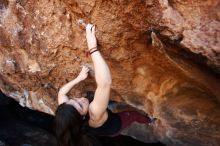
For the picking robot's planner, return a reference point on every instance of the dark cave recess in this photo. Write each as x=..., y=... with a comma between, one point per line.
x=21, y=126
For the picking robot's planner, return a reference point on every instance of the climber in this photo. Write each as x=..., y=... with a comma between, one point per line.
x=79, y=120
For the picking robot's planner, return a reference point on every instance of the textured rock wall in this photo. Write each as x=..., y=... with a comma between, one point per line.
x=164, y=57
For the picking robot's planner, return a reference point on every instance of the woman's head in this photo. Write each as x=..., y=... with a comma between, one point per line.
x=80, y=104
x=68, y=125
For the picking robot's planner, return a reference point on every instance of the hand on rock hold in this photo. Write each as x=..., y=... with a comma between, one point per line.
x=90, y=36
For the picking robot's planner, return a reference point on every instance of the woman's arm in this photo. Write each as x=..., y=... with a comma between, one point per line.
x=62, y=97
x=97, y=108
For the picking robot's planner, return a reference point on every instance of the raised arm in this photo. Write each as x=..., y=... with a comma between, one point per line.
x=62, y=97
x=97, y=108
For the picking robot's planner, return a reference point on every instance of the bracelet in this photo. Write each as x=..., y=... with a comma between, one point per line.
x=92, y=48
x=93, y=51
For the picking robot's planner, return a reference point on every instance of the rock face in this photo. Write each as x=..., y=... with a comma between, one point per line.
x=164, y=57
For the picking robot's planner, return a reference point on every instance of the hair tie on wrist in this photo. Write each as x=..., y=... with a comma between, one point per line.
x=93, y=51
x=93, y=48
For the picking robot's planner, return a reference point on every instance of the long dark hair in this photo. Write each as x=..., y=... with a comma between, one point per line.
x=70, y=127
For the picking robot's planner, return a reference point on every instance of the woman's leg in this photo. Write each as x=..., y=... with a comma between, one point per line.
x=128, y=117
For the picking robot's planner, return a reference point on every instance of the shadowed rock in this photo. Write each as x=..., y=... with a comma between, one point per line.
x=175, y=79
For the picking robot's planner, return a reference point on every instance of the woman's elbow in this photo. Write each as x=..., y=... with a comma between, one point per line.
x=109, y=82
x=60, y=94
x=105, y=83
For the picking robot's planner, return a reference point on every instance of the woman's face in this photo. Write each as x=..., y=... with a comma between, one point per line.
x=81, y=105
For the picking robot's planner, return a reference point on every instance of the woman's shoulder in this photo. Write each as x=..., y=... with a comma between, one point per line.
x=111, y=126
x=96, y=122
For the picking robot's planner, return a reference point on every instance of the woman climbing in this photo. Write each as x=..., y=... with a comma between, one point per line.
x=78, y=120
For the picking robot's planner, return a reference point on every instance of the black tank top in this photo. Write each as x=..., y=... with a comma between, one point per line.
x=111, y=126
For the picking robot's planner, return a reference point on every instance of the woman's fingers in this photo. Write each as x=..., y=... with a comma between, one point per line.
x=89, y=27
x=85, y=68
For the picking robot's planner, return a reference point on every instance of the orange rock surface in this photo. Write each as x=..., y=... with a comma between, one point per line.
x=164, y=57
